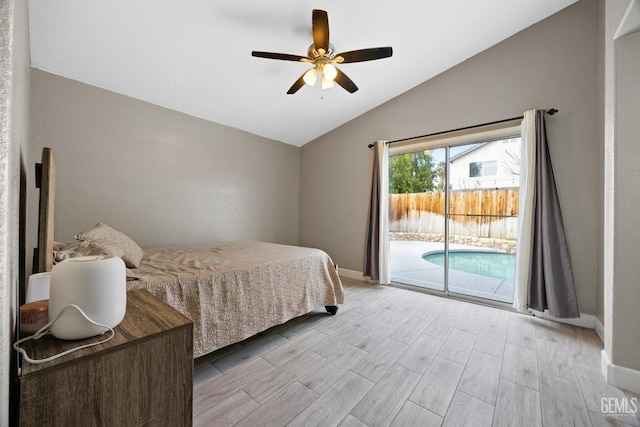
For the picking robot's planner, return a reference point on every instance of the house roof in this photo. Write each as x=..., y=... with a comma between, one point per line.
x=467, y=151
x=195, y=57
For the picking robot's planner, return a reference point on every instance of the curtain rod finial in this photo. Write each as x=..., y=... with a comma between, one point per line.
x=552, y=111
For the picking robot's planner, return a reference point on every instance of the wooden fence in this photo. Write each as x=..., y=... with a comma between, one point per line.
x=478, y=213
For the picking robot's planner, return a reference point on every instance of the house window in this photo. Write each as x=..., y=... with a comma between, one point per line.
x=483, y=168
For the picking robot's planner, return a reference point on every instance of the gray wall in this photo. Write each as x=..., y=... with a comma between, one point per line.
x=161, y=177
x=622, y=204
x=14, y=106
x=601, y=131
x=551, y=64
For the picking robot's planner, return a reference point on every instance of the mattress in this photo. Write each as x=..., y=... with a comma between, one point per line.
x=233, y=290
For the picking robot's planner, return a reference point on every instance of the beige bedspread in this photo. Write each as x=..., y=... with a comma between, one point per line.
x=233, y=290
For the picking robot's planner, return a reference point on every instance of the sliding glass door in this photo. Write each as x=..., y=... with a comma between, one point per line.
x=453, y=218
x=417, y=218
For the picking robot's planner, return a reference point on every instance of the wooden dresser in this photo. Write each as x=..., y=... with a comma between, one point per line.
x=143, y=376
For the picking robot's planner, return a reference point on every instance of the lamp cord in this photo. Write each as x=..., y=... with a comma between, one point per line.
x=46, y=330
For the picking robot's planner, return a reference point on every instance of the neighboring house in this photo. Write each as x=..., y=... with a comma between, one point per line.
x=492, y=164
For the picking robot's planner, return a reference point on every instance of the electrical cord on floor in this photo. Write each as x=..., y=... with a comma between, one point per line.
x=46, y=330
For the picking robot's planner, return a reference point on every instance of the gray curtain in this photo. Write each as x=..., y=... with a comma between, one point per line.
x=551, y=284
x=371, y=266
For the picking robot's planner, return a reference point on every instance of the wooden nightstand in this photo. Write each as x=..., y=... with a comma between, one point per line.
x=143, y=376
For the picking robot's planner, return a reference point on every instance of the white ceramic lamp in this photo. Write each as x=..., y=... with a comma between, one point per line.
x=96, y=284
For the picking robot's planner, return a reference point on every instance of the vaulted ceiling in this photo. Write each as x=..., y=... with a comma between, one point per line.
x=195, y=56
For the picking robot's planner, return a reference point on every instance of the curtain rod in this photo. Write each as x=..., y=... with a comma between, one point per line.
x=550, y=112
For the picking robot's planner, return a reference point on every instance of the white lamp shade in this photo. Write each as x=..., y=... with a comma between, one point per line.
x=96, y=284
x=326, y=84
x=38, y=287
x=329, y=71
x=310, y=77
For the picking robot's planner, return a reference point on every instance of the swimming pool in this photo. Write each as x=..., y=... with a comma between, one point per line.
x=491, y=264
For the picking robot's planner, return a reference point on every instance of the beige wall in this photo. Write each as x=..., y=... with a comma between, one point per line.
x=551, y=64
x=161, y=177
x=14, y=106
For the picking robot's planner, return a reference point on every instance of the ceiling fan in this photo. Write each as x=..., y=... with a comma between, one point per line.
x=322, y=56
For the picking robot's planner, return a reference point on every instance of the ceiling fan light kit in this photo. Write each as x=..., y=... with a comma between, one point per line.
x=321, y=55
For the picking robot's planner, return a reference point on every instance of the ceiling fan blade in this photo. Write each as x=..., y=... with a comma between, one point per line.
x=296, y=86
x=345, y=82
x=366, y=54
x=281, y=56
x=320, y=21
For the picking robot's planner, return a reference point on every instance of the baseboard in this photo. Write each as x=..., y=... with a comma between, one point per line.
x=585, y=320
x=600, y=330
x=352, y=274
x=619, y=376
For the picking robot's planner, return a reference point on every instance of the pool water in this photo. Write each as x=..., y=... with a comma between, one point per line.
x=491, y=264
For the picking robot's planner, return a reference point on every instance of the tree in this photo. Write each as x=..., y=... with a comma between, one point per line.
x=511, y=162
x=411, y=173
x=441, y=177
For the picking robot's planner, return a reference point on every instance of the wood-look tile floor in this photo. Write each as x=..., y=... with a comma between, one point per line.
x=393, y=357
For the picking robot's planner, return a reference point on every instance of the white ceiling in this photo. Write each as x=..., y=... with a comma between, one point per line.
x=195, y=56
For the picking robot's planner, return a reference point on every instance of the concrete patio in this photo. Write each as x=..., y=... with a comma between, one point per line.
x=408, y=267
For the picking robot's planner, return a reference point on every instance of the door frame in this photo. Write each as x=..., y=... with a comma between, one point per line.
x=446, y=141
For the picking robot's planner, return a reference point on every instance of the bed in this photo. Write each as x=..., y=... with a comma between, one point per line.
x=230, y=290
